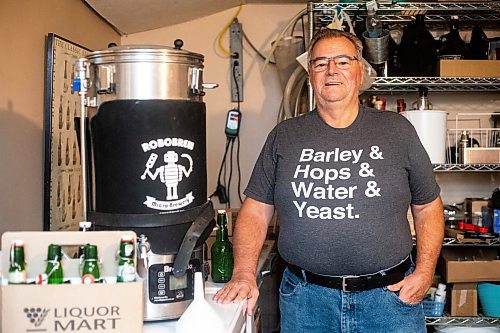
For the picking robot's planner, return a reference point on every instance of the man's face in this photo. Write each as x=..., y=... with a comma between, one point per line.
x=334, y=84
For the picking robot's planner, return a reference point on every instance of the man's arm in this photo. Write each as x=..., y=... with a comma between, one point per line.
x=429, y=227
x=249, y=235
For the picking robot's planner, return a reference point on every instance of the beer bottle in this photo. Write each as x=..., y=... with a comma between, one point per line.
x=17, y=269
x=222, y=251
x=126, y=265
x=452, y=45
x=90, y=270
x=54, y=268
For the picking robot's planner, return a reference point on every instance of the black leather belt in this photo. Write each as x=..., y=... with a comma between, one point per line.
x=356, y=283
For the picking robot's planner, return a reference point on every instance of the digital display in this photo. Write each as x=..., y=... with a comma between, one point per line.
x=178, y=283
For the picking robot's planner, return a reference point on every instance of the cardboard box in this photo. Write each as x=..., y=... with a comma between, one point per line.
x=489, y=155
x=464, y=300
x=470, y=264
x=469, y=68
x=105, y=307
x=473, y=205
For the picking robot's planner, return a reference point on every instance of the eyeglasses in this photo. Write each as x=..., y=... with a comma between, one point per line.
x=342, y=62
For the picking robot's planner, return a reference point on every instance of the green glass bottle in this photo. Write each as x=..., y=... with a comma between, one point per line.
x=90, y=269
x=17, y=267
x=126, y=264
x=222, y=251
x=54, y=268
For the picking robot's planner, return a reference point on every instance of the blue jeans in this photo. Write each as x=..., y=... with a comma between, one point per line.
x=309, y=308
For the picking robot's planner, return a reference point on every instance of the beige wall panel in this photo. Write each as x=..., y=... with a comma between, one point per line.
x=24, y=25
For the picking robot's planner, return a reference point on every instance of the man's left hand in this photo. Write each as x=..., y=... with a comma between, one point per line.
x=412, y=288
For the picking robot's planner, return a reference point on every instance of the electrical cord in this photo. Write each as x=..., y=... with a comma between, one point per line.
x=223, y=188
x=220, y=190
x=260, y=54
x=237, y=85
x=238, y=138
x=239, y=170
x=223, y=32
x=230, y=173
x=282, y=33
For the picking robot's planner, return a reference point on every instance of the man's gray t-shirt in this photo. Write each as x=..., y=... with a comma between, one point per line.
x=342, y=194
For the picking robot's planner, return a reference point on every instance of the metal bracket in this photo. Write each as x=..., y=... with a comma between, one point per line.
x=236, y=62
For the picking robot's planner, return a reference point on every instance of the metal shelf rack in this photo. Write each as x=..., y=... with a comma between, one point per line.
x=486, y=14
x=463, y=321
x=466, y=167
x=454, y=242
x=449, y=241
x=434, y=84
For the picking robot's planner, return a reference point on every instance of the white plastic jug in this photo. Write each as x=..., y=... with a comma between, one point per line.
x=199, y=316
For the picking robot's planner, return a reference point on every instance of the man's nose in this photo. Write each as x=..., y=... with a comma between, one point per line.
x=332, y=67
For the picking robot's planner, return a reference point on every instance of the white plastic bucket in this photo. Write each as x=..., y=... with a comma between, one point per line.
x=431, y=129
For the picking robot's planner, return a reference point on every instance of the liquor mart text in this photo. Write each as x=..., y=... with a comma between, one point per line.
x=86, y=318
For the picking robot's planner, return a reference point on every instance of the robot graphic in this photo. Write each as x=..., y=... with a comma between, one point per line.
x=171, y=173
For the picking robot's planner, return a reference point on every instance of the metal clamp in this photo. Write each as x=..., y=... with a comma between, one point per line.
x=144, y=248
x=195, y=77
x=194, y=80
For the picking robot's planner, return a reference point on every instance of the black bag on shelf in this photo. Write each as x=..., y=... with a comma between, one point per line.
x=417, y=50
x=479, y=45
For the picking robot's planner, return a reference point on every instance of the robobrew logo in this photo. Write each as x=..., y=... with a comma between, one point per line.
x=36, y=317
x=170, y=173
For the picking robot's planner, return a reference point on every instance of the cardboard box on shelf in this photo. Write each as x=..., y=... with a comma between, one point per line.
x=470, y=264
x=101, y=307
x=464, y=300
x=469, y=68
x=482, y=155
x=473, y=205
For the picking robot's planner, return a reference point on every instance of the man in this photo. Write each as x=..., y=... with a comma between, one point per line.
x=341, y=178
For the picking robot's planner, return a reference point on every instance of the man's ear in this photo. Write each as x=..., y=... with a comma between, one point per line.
x=362, y=69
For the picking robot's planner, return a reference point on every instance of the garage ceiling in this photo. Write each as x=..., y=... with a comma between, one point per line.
x=131, y=16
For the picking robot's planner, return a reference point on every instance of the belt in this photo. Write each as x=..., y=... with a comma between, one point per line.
x=355, y=283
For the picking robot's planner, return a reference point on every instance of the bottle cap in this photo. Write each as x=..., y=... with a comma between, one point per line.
x=127, y=238
x=18, y=243
x=53, y=252
x=90, y=251
x=221, y=211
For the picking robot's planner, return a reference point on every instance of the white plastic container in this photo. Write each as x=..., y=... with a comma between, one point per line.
x=440, y=295
x=431, y=129
x=200, y=316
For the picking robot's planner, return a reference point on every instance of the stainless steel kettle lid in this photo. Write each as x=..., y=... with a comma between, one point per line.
x=146, y=53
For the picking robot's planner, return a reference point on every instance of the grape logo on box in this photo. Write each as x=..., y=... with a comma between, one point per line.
x=36, y=317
